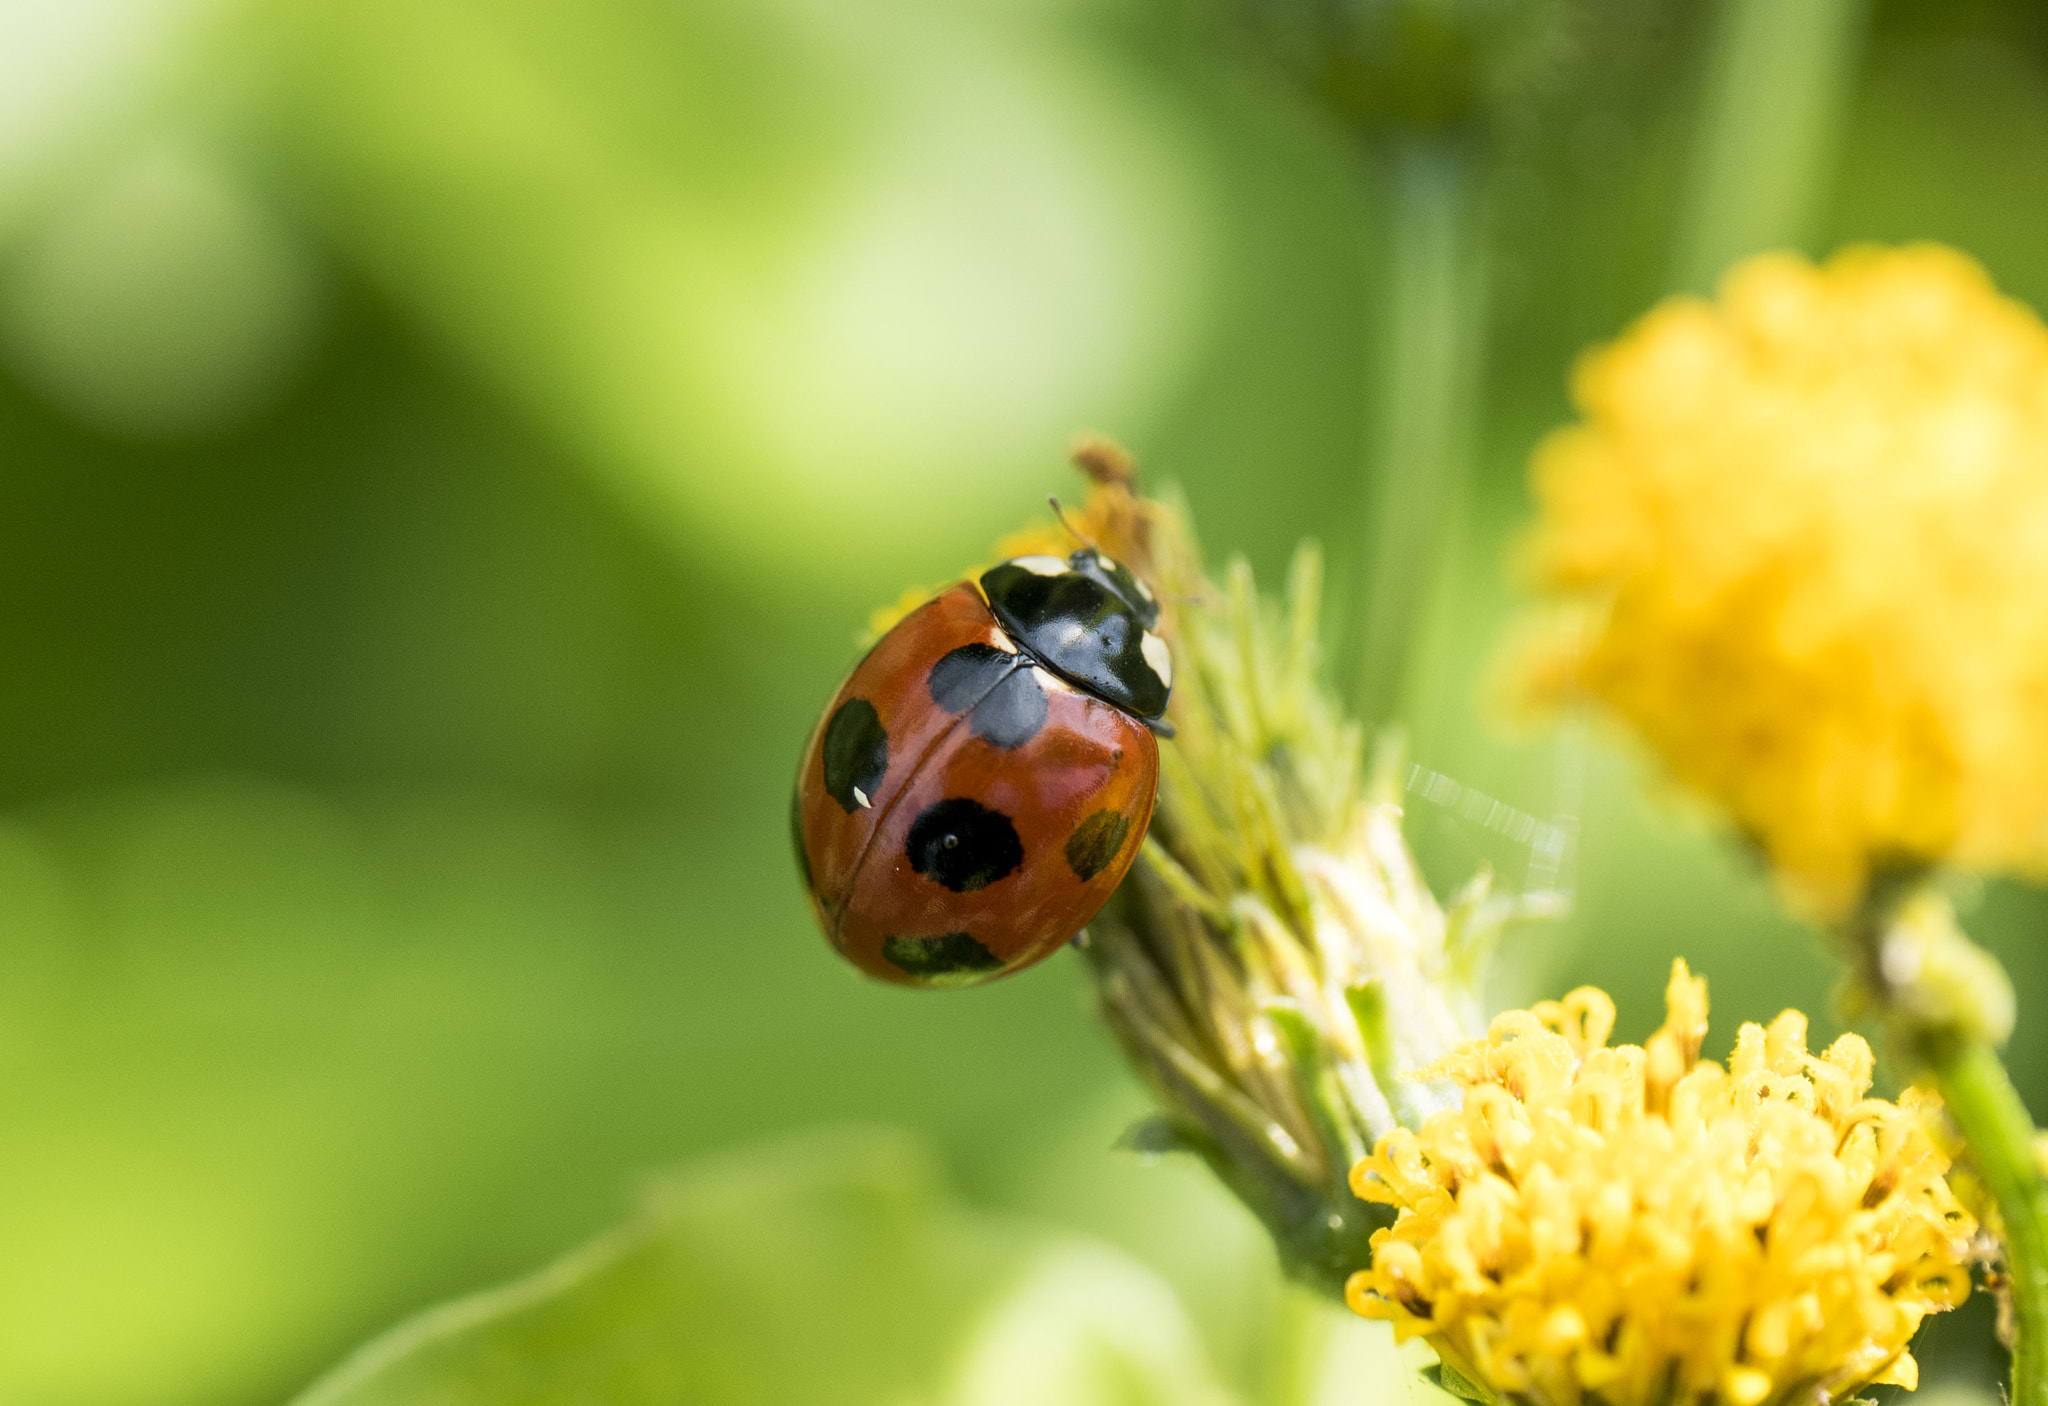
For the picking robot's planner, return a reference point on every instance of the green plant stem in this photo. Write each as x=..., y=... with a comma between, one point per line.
x=1994, y=1122
x=1948, y=1006
x=1426, y=372
x=1777, y=82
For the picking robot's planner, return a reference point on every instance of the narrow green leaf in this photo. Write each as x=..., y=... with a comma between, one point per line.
x=833, y=1272
x=1450, y=1379
x=828, y=1271
x=1156, y=1136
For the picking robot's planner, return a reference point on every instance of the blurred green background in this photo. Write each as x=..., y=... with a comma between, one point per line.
x=448, y=448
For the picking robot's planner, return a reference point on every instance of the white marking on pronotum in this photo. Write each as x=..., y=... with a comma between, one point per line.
x=1158, y=656
x=862, y=797
x=1041, y=566
x=1105, y=562
x=1143, y=589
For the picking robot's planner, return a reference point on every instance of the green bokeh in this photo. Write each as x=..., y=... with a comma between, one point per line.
x=841, y=1270
x=447, y=451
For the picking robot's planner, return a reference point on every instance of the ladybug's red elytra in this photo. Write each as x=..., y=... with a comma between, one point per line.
x=979, y=785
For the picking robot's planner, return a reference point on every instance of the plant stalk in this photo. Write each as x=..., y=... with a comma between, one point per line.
x=1994, y=1123
x=1947, y=1006
x=1427, y=372
x=1777, y=82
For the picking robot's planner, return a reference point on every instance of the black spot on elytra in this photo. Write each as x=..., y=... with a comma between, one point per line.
x=963, y=677
x=936, y=959
x=963, y=844
x=1006, y=699
x=1095, y=842
x=856, y=753
x=796, y=836
x=1013, y=711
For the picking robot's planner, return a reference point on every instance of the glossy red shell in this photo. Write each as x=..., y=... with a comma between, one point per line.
x=896, y=882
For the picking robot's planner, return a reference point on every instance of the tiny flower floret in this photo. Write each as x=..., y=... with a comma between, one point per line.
x=1641, y=1227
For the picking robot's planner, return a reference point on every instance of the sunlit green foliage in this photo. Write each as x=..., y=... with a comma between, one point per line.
x=446, y=450
x=839, y=1271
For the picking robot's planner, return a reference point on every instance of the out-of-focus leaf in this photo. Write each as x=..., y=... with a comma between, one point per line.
x=1270, y=1342
x=66, y=67
x=159, y=299
x=791, y=277
x=834, y=1272
x=1086, y=1325
x=283, y=1069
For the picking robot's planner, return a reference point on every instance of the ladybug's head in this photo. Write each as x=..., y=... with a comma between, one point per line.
x=1119, y=580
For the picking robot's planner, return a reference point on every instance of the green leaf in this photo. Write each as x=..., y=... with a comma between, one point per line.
x=1156, y=1135
x=1450, y=1379
x=833, y=1271
x=1268, y=1340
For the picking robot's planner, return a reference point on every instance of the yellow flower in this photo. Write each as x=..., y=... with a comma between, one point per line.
x=1637, y=1226
x=1807, y=529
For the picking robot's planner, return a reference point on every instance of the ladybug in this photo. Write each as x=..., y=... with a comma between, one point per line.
x=981, y=782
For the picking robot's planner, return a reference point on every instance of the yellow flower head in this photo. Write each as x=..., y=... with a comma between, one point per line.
x=1811, y=520
x=1637, y=1226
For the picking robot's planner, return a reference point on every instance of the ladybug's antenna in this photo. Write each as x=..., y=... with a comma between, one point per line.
x=1072, y=531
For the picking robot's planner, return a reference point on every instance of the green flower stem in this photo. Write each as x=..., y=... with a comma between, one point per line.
x=1948, y=1007
x=1427, y=371
x=1274, y=962
x=1776, y=86
x=1987, y=1109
